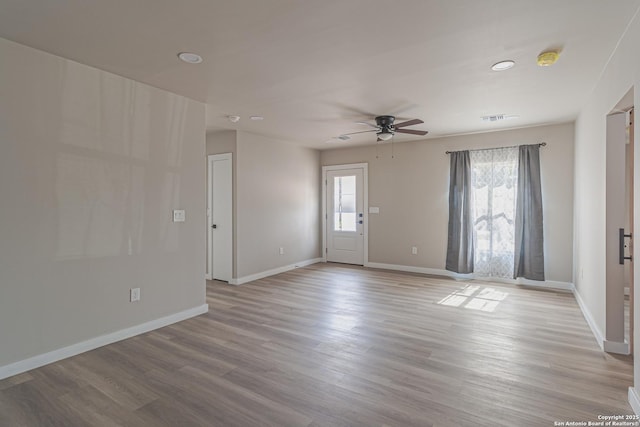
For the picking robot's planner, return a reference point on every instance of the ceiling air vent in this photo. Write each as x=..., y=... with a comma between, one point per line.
x=498, y=117
x=494, y=118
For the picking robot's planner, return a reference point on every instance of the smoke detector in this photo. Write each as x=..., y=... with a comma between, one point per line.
x=548, y=58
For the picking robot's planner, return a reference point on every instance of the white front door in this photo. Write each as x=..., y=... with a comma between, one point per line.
x=220, y=217
x=345, y=216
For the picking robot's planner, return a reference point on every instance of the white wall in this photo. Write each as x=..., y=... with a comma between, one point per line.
x=412, y=189
x=91, y=166
x=621, y=73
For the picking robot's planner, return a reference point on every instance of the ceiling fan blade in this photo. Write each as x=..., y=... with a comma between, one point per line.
x=367, y=124
x=409, y=123
x=363, y=131
x=412, y=132
x=354, y=111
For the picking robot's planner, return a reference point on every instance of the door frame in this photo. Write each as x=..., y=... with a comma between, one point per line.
x=365, y=204
x=211, y=158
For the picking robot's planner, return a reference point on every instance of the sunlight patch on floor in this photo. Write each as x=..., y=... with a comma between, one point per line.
x=475, y=297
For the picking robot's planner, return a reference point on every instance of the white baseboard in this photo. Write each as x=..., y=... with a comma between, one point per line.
x=551, y=284
x=208, y=276
x=273, y=271
x=616, y=347
x=93, y=343
x=589, y=318
x=634, y=400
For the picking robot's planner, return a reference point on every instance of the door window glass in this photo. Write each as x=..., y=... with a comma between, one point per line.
x=344, y=203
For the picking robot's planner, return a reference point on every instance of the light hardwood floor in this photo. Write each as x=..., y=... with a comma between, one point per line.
x=332, y=345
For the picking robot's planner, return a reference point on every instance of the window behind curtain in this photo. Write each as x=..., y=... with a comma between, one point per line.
x=494, y=182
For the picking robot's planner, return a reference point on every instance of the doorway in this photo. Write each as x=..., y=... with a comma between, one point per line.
x=345, y=219
x=619, y=224
x=220, y=217
x=629, y=224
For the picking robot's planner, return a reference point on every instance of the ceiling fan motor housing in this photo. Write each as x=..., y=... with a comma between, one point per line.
x=385, y=123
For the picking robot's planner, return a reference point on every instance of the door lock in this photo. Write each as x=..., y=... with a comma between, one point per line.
x=214, y=226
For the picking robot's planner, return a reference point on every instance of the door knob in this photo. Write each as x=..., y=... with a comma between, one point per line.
x=214, y=226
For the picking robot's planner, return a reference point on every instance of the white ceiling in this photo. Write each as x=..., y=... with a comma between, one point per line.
x=313, y=68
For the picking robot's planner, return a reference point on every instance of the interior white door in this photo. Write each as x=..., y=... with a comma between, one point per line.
x=345, y=216
x=220, y=217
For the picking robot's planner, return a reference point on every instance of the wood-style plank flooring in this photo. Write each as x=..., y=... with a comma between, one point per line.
x=332, y=345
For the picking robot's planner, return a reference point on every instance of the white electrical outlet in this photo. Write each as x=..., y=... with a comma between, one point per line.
x=179, y=215
x=135, y=294
x=281, y=251
x=414, y=250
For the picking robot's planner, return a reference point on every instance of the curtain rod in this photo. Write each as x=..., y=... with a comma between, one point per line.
x=542, y=144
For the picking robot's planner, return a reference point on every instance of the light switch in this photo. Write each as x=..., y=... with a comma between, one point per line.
x=374, y=209
x=179, y=215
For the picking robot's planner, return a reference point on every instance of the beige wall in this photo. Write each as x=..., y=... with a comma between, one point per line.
x=621, y=74
x=411, y=191
x=91, y=167
x=221, y=142
x=278, y=204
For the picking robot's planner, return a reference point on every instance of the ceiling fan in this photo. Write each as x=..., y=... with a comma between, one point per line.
x=386, y=127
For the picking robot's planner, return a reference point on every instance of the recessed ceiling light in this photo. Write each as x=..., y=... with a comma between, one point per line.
x=190, y=58
x=503, y=65
x=256, y=118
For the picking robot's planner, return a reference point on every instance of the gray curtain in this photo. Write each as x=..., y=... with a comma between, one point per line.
x=460, y=234
x=529, y=253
